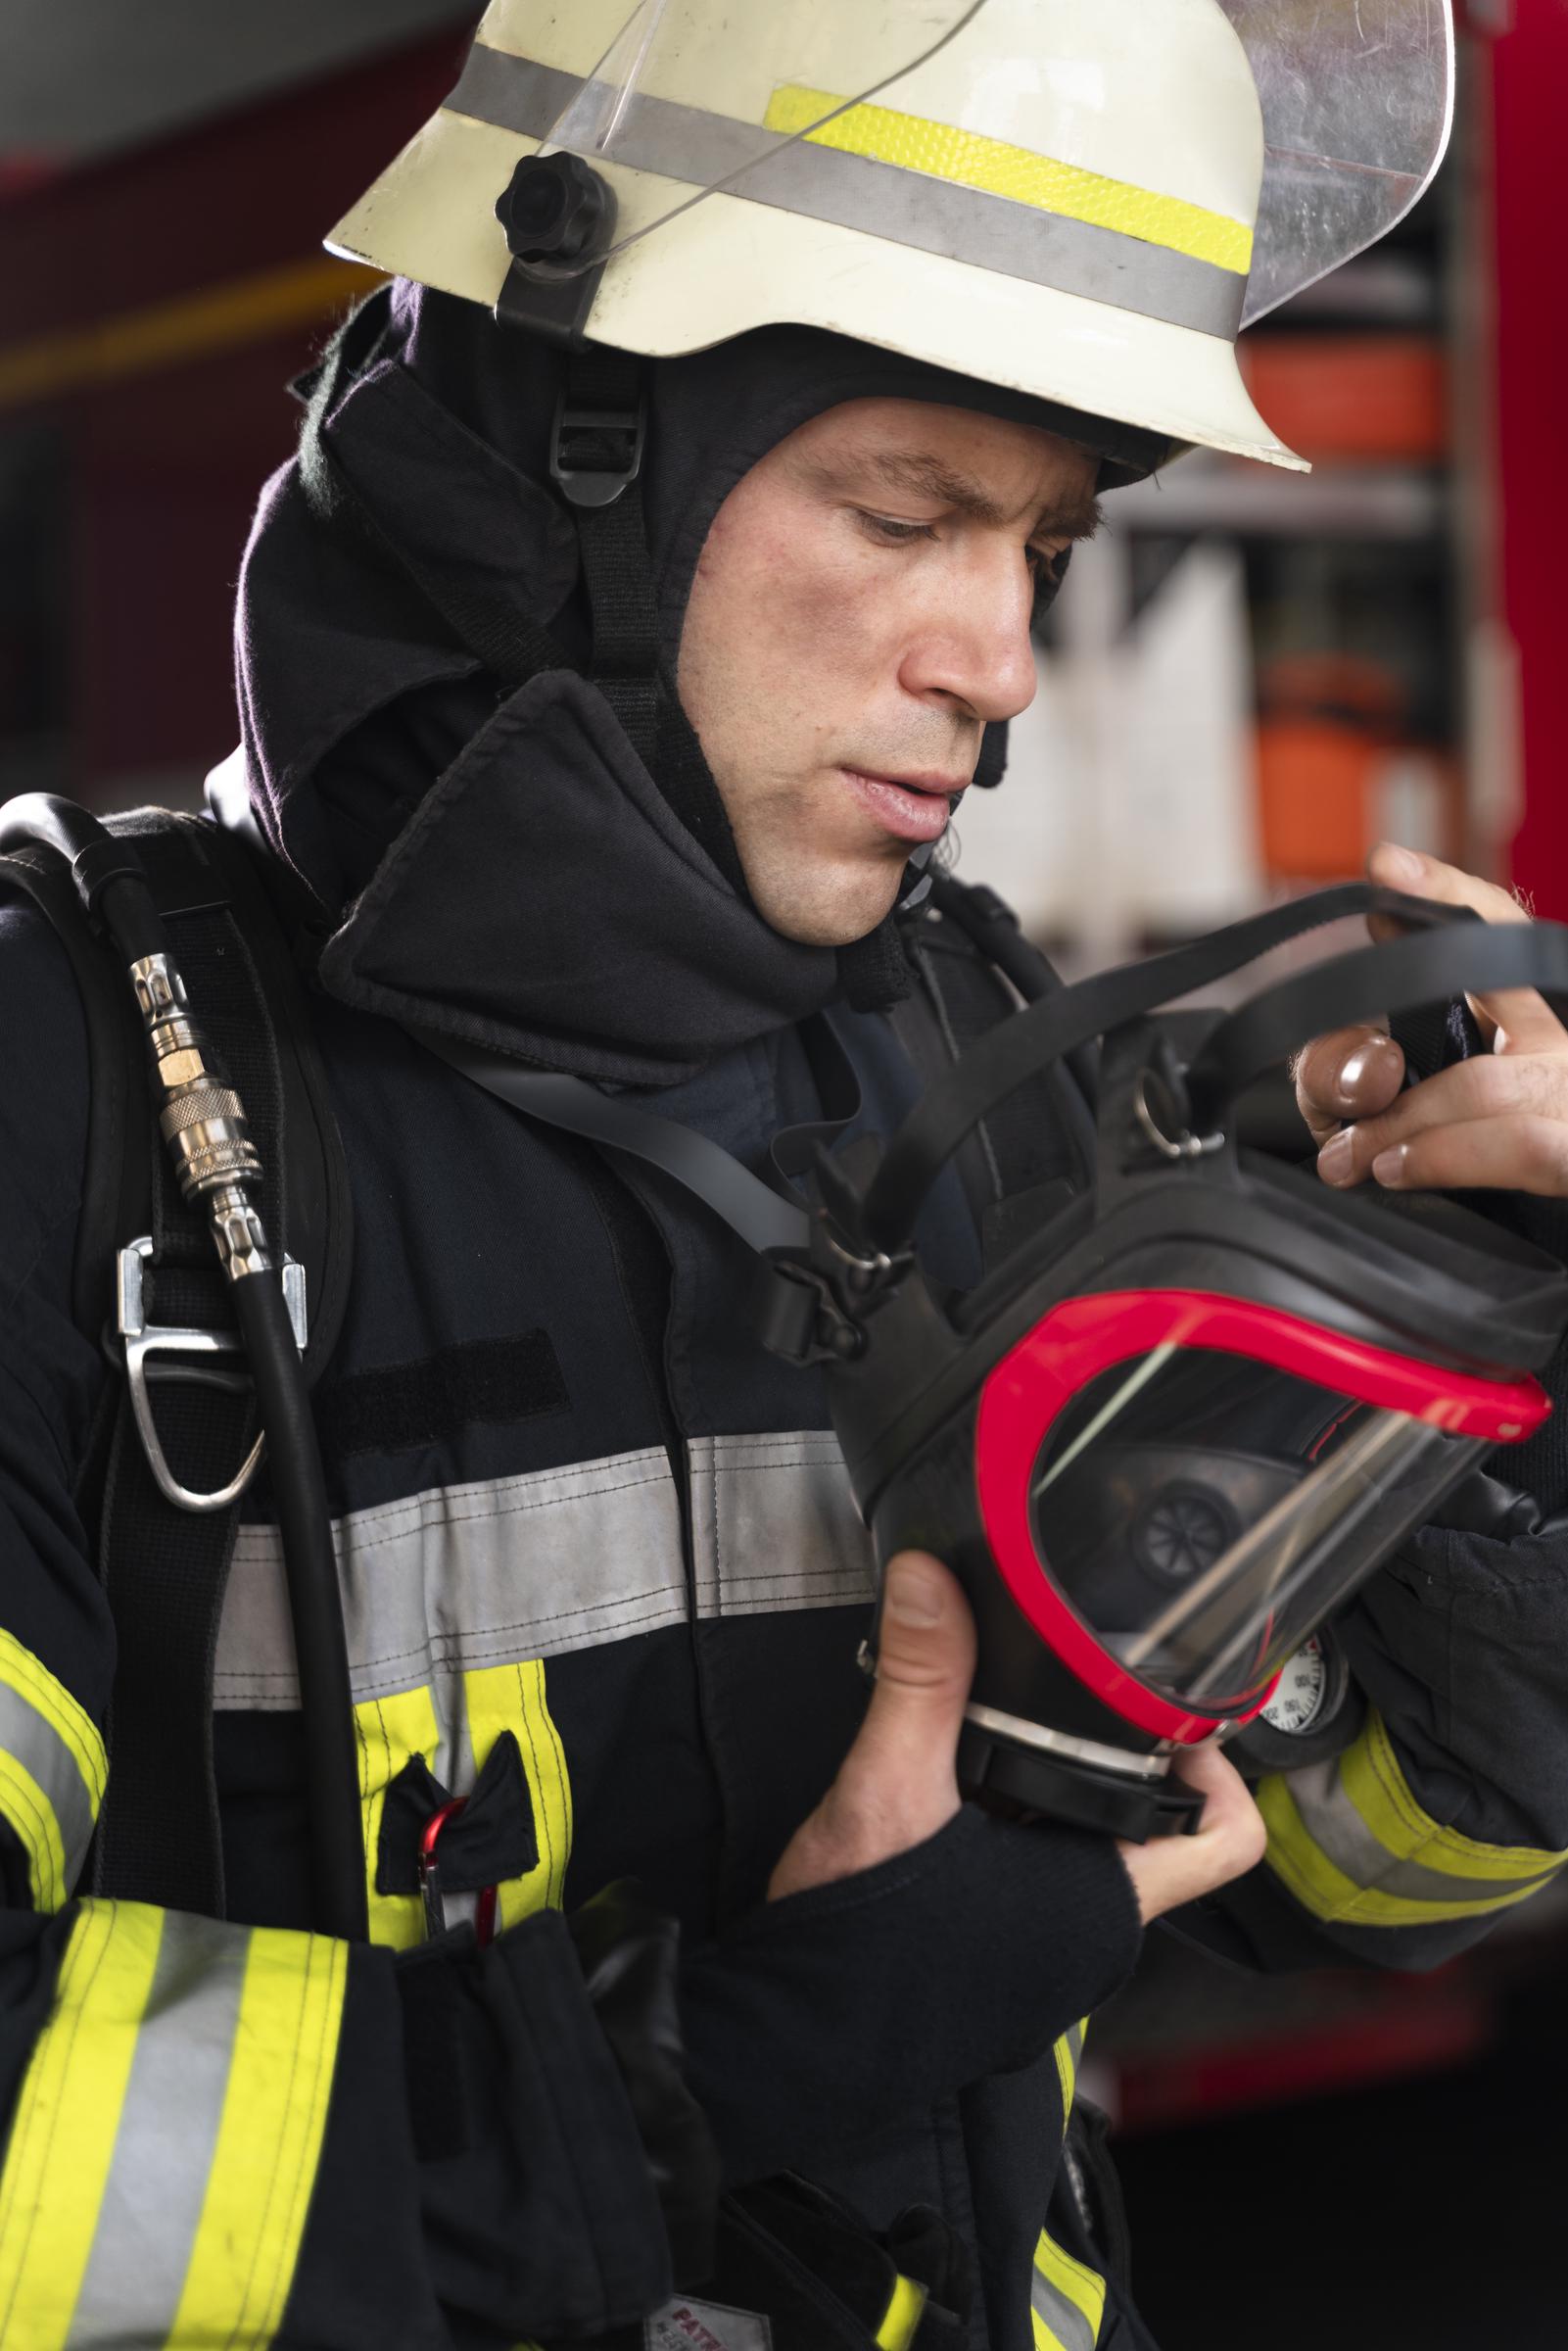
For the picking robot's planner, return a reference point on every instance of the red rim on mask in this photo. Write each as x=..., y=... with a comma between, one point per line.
x=1168, y=1479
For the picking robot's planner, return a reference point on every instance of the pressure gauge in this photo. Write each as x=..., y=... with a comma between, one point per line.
x=1300, y=1692
x=1315, y=1712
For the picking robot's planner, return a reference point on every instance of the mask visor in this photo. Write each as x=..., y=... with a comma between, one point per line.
x=1178, y=1487
x=1203, y=1515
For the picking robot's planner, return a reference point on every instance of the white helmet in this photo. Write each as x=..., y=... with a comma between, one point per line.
x=1057, y=196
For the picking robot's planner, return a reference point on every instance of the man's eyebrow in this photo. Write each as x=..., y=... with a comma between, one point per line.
x=924, y=475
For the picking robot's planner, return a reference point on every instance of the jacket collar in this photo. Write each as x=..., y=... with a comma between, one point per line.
x=544, y=901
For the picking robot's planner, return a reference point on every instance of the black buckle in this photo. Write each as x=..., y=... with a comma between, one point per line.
x=799, y=1318
x=596, y=484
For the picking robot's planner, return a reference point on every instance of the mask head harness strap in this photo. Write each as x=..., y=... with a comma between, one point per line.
x=559, y=213
x=596, y=461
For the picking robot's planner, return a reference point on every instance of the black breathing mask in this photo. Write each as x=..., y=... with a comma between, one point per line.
x=1200, y=1399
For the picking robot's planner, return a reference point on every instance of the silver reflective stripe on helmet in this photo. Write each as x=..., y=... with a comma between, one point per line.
x=821, y=181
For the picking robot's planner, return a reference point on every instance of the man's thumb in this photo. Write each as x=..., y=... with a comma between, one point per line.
x=924, y=1656
x=898, y=1784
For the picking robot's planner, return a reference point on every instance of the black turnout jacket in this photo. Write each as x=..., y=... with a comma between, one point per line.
x=600, y=1570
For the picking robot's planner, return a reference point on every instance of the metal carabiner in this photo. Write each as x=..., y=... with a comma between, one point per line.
x=144, y=1340
x=430, y=1889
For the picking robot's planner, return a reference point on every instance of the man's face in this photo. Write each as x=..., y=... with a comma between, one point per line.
x=860, y=611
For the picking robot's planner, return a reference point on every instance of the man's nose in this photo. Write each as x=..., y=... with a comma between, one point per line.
x=977, y=648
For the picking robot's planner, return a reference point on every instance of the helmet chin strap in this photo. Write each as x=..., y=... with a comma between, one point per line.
x=916, y=887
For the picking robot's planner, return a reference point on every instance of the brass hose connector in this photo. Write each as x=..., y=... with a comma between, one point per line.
x=202, y=1121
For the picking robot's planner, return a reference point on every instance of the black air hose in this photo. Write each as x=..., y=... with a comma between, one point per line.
x=204, y=1123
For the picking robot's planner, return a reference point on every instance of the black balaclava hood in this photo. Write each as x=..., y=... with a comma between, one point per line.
x=355, y=700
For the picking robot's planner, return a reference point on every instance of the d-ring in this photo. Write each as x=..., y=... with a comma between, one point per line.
x=1186, y=1145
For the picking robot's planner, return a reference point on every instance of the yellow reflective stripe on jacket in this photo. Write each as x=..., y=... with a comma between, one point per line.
x=52, y=1772
x=268, y=2141
x=1068, y=2054
x=511, y=1697
x=489, y=1701
x=68, y=2117
x=905, y=2308
x=391, y=1732
x=1067, y=2300
x=1350, y=1842
x=167, y=2132
x=971, y=160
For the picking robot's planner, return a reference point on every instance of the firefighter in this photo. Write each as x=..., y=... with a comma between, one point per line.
x=621, y=637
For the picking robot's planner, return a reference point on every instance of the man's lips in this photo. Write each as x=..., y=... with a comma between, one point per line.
x=911, y=807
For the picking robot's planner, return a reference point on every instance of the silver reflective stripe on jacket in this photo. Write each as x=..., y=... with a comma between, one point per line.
x=167, y=2133
x=1352, y=1843
x=506, y=1570
x=52, y=1772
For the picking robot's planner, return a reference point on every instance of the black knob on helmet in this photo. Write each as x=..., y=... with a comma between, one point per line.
x=555, y=207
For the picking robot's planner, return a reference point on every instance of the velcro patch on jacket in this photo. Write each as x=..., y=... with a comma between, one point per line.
x=482, y=1383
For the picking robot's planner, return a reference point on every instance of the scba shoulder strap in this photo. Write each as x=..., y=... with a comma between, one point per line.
x=147, y=1287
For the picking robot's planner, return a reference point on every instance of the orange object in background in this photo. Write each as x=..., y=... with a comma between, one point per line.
x=1358, y=397
x=1334, y=774
x=1313, y=786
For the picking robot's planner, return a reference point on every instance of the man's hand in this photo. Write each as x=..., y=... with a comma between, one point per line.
x=1499, y=1121
x=898, y=1784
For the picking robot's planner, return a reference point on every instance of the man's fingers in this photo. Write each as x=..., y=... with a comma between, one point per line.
x=1350, y=1073
x=1520, y=1154
x=1523, y=1020
x=1423, y=877
x=1230, y=1839
x=1487, y=1090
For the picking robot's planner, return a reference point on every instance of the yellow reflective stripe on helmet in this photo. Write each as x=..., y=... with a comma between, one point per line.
x=971, y=160
x=905, y=2308
x=1068, y=2054
x=167, y=2134
x=52, y=1772
x=1066, y=2301
x=67, y=2118
x=1349, y=1840
x=269, y=2142
x=511, y=1697
x=391, y=1732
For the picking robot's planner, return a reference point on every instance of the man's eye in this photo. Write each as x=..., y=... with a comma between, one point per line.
x=1049, y=572
x=893, y=533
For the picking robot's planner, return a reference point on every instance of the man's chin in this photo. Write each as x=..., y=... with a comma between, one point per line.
x=829, y=909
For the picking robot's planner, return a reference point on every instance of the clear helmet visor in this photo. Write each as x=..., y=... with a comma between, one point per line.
x=1202, y=1513
x=1357, y=104
x=1357, y=99
x=749, y=81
